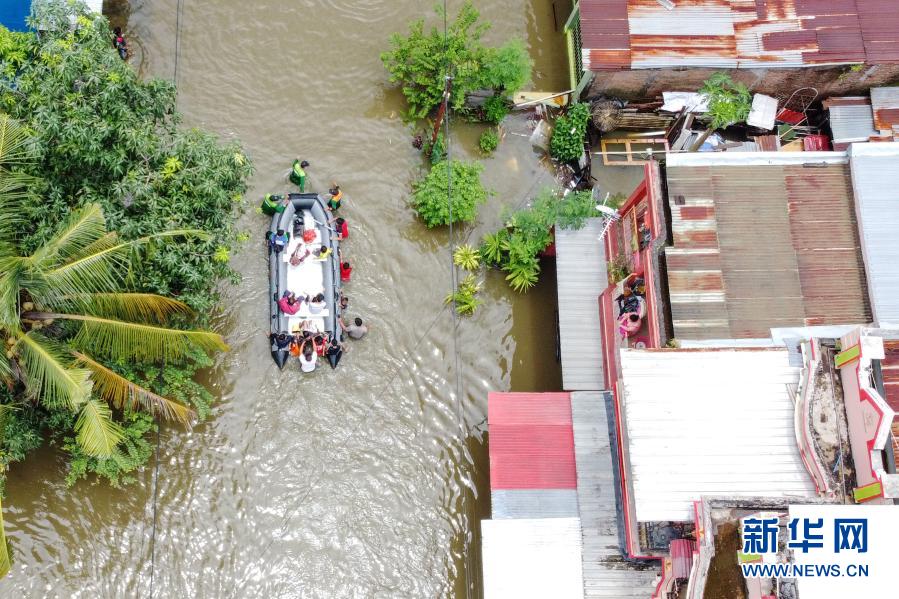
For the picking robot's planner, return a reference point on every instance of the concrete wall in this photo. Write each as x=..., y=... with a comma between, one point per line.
x=829, y=81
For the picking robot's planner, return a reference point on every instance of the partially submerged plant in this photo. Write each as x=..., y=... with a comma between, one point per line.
x=489, y=141
x=465, y=296
x=467, y=257
x=567, y=142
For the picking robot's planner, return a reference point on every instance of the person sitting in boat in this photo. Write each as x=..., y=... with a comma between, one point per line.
x=336, y=197
x=308, y=355
x=273, y=204
x=334, y=352
x=299, y=255
x=321, y=344
x=341, y=228
x=317, y=304
x=323, y=252
x=289, y=303
x=280, y=240
x=282, y=340
x=298, y=174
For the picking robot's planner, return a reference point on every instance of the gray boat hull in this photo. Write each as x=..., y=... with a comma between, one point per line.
x=297, y=203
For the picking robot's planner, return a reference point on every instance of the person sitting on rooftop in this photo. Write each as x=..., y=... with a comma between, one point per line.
x=289, y=303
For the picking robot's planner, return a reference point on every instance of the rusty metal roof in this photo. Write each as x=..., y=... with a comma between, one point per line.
x=643, y=34
x=885, y=105
x=759, y=245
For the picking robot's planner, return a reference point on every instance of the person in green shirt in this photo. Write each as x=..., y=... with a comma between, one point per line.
x=298, y=174
x=273, y=204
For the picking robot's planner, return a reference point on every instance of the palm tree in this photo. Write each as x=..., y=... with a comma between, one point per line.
x=66, y=308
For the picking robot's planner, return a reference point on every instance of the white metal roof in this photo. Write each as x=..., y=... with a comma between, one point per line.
x=875, y=182
x=581, y=276
x=532, y=559
x=709, y=422
x=753, y=158
x=606, y=574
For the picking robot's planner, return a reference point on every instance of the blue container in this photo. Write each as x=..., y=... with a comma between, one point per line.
x=13, y=13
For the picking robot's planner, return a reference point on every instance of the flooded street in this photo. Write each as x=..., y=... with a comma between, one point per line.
x=349, y=483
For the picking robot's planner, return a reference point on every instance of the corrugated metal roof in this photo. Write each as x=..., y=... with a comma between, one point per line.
x=885, y=105
x=851, y=119
x=875, y=180
x=606, y=574
x=682, y=557
x=642, y=34
x=532, y=558
x=533, y=503
x=581, y=276
x=709, y=422
x=531, y=442
x=757, y=246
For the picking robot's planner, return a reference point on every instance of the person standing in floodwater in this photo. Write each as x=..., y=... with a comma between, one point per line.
x=298, y=174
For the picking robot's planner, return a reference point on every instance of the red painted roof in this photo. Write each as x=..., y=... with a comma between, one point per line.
x=531, y=441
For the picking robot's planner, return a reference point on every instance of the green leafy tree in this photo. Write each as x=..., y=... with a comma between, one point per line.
x=567, y=142
x=105, y=136
x=421, y=61
x=67, y=310
x=430, y=195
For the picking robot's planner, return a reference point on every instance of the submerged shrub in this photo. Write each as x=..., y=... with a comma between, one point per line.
x=429, y=195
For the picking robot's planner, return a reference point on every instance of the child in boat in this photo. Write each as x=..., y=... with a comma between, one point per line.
x=289, y=303
x=323, y=252
x=336, y=197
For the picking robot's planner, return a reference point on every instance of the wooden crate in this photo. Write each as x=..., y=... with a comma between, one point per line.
x=630, y=151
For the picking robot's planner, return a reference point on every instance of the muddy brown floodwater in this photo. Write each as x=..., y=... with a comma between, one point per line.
x=357, y=483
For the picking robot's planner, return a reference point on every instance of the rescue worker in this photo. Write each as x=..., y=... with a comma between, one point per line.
x=298, y=174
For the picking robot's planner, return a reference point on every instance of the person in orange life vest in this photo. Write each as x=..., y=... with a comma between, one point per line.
x=336, y=197
x=289, y=303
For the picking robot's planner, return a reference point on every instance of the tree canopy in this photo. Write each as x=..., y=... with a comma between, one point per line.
x=421, y=61
x=103, y=135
